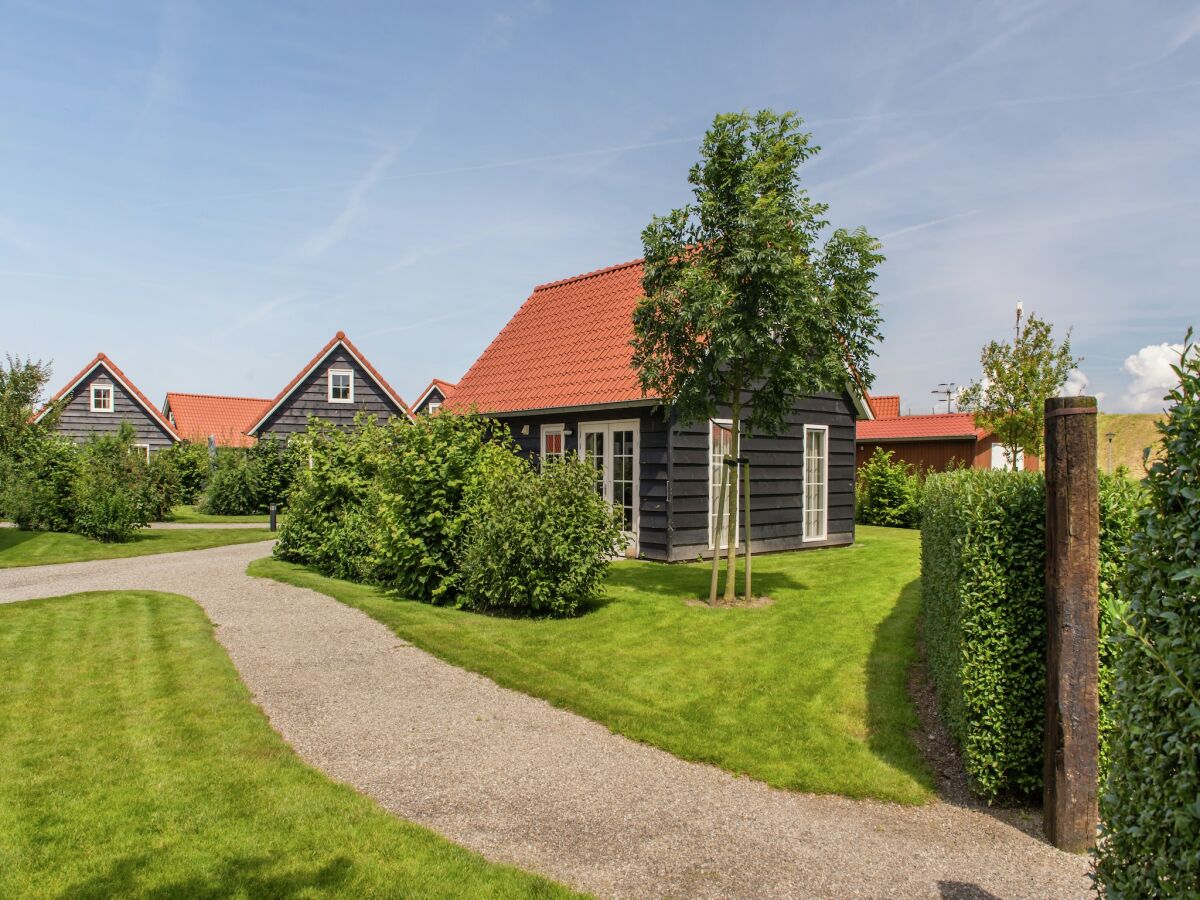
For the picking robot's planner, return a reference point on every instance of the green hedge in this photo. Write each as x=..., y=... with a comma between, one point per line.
x=983, y=575
x=887, y=492
x=1150, y=809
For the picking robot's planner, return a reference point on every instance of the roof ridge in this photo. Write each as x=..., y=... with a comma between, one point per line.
x=606, y=270
x=217, y=396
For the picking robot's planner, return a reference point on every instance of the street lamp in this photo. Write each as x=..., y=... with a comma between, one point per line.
x=1110, y=435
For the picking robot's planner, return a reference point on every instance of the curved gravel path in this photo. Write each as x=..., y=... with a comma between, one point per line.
x=524, y=783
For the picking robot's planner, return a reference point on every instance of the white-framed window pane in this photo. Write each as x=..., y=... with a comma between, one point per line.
x=815, y=474
x=622, y=474
x=721, y=445
x=341, y=385
x=553, y=443
x=102, y=398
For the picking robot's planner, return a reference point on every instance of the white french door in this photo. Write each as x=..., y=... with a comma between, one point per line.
x=612, y=447
x=816, y=482
x=720, y=445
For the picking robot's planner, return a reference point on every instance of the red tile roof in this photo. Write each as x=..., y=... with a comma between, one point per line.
x=568, y=345
x=446, y=387
x=227, y=419
x=339, y=338
x=885, y=406
x=920, y=428
x=100, y=359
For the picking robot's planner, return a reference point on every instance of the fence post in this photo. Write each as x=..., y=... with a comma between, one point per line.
x=1072, y=741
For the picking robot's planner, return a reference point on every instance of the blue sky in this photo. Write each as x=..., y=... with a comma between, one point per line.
x=207, y=192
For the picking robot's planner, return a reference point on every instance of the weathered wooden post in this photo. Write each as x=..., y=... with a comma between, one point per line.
x=1072, y=740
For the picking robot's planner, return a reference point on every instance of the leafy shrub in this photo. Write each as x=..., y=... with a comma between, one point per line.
x=234, y=486
x=161, y=485
x=537, y=544
x=277, y=463
x=1150, y=814
x=191, y=465
x=983, y=578
x=36, y=487
x=887, y=492
x=108, y=493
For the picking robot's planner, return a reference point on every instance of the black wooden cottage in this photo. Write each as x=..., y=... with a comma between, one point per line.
x=99, y=398
x=336, y=384
x=433, y=397
x=559, y=375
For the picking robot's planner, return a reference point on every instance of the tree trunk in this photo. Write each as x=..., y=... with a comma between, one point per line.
x=735, y=443
x=716, y=530
x=746, y=492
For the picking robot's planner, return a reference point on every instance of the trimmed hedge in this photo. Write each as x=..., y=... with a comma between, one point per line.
x=1150, y=808
x=983, y=561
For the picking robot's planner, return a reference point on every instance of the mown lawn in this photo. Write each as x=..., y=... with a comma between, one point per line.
x=807, y=694
x=134, y=764
x=39, y=548
x=191, y=515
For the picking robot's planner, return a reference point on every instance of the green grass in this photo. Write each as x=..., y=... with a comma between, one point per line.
x=191, y=515
x=1133, y=432
x=134, y=764
x=39, y=548
x=808, y=694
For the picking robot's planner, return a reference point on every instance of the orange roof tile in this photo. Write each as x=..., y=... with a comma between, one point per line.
x=568, y=345
x=920, y=428
x=227, y=419
x=102, y=359
x=885, y=406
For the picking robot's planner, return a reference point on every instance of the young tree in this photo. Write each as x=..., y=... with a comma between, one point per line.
x=22, y=388
x=1017, y=378
x=746, y=308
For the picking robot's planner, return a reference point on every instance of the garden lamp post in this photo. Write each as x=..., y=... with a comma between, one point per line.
x=1110, y=435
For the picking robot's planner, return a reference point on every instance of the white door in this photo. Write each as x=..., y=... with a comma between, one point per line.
x=816, y=482
x=720, y=445
x=613, y=448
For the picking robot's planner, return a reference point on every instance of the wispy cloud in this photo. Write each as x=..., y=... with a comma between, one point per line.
x=932, y=223
x=1187, y=31
x=333, y=232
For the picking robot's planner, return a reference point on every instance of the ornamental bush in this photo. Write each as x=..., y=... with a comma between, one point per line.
x=887, y=492
x=983, y=580
x=191, y=465
x=37, y=485
x=108, y=492
x=1150, y=807
x=538, y=544
x=235, y=485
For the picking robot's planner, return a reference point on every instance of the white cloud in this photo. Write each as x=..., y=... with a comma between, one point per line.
x=1076, y=384
x=334, y=231
x=1150, y=376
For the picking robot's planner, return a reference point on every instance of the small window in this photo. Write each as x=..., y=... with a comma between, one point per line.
x=553, y=442
x=433, y=406
x=102, y=398
x=142, y=451
x=341, y=386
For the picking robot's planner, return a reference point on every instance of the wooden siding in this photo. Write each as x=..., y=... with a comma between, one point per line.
x=311, y=398
x=434, y=396
x=927, y=456
x=78, y=422
x=673, y=483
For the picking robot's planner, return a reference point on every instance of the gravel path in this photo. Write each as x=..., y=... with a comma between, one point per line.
x=524, y=783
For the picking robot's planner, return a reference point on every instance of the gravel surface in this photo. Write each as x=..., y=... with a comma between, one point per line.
x=524, y=783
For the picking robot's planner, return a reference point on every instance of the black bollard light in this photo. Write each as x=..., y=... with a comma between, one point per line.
x=272, y=509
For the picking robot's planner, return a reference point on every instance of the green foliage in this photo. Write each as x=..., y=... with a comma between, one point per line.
x=108, y=495
x=1017, y=378
x=983, y=577
x=162, y=488
x=1150, y=813
x=887, y=492
x=191, y=464
x=536, y=543
x=36, y=486
x=277, y=462
x=235, y=485
x=22, y=388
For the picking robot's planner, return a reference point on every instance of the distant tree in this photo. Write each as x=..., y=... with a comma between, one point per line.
x=22, y=392
x=745, y=308
x=1018, y=376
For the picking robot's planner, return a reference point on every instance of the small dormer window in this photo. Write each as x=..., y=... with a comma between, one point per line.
x=433, y=406
x=102, y=398
x=341, y=386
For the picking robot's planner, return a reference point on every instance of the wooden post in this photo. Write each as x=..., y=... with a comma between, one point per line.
x=746, y=491
x=1072, y=740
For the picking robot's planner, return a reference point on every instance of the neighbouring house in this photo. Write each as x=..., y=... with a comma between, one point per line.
x=336, y=384
x=932, y=443
x=433, y=397
x=100, y=397
x=560, y=376
x=226, y=420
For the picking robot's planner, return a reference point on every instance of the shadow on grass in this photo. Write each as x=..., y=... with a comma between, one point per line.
x=891, y=713
x=14, y=537
x=251, y=876
x=690, y=581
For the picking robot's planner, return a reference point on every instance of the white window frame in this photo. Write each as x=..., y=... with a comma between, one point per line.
x=607, y=428
x=144, y=450
x=112, y=398
x=713, y=541
x=432, y=406
x=349, y=373
x=824, y=535
x=561, y=430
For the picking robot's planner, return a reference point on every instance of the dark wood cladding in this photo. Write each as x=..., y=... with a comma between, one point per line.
x=435, y=395
x=929, y=456
x=311, y=398
x=78, y=422
x=674, y=462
